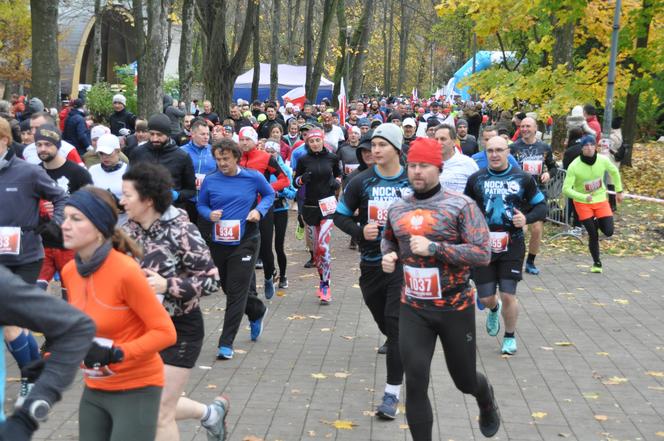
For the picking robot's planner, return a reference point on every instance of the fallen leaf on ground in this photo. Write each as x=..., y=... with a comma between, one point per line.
x=370, y=413
x=403, y=426
x=546, y=348
x=615, y=380
x=319, y=376
x=12, y=379
x=660, y=434
x=591, y=395
x=315, y=317
x=601, y=417
x=655, y=373
x=205, y=367
x=621, y=301
x=356, y=285
x=252, y=438
x=563, y=435
x=304, y=276
x=348, y=337
x=325, y=329
x=636, y=291
x=598, y=304
x=340, y=424
x=657, y=388
x=281, y=294
x=240, y=351
x=564, y=343
x=311, y=433
x=602, y=353
x=341, y=374
x=296, y=317
x=211, y=386
x=539, y=415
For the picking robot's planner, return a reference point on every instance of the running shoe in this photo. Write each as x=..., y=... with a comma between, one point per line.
x=509, y=346
x=219, y=430
x=23, y=392
x=383, y=349
x=493, y=320
x=489, y=417
x=283, y=282
x=596, y=268
x=310, y=263
x=225, y=353
x=325, y=293
x=256, y=326
x=259, y=264
x=388, y=409
x=532, y=269
x=269, y=288
x=299, y=233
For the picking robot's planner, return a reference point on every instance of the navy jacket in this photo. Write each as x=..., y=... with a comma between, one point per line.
x=76, y=131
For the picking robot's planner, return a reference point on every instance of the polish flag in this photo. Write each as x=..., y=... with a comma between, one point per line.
x=342, y=104
x=414, y=95
x=296, y=96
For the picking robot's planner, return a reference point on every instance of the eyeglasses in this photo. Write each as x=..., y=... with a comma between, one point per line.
x=495, y=151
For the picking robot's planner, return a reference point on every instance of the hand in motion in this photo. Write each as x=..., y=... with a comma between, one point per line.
x=253, y=216
x=389, y=262
x=519, y=219
x=371, y=231
x=419, y=245
x=156, y=281
x=216, y=215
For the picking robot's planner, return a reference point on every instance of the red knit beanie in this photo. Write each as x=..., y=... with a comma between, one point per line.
x=426, y=150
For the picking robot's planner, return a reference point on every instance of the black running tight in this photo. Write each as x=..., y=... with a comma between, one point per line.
x=280, y=224
x=418, y=332
x=604, y=224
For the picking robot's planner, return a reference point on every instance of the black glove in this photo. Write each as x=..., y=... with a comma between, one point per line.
x=305, y=178
x=33, y=370
x=18, y=427
x=99, y=356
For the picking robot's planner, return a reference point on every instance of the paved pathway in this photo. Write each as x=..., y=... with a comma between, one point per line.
x=589, y=367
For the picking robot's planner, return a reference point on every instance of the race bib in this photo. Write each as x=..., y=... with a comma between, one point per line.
x=533, y=166
x=227, y=231
x=328, y=205
x=103, y=371
x=350, y=168
x=10, y=241
x=422, y=283
x=199, y=180
x=593, y=185
x=377, y=212
x=499, y=241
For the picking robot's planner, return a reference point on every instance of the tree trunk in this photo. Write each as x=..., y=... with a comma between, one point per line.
x=328, y=14
x=257, y=56
x=150, y=88
x=185, y=65
x=562, y=52
x=296, y=32
x=629, y=127
x=139, y=28
x=309, y=45
x=169, y=33
x=341, y=42
x=360, y=50
x=390, y=47
x=45, y=72
x=96, y=45
x=220, y=70
x=274, y=74
x=385, y=8
x=404, y=33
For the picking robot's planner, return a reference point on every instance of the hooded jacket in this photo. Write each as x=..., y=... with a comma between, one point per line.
x=174, y=114
x=76, y=131
x=176, y=160
x=123, y=119
x=22, y=185
x=173, y=248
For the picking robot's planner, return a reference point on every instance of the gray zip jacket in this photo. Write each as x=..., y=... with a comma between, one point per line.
x=22, y=185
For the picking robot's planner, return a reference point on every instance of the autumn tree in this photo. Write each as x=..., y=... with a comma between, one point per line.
x=45, y=67
x=15, y=35
x=222, y=66
x=185, y=59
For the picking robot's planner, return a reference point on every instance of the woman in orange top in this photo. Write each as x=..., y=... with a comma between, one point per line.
x=124, y=374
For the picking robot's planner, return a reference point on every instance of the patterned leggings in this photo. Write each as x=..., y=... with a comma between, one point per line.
x=321, y=235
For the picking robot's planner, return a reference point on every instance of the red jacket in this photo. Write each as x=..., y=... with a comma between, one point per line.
x=265, y=164
x=593, y=123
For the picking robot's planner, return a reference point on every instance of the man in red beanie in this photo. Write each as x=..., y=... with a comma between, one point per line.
x=437, y=236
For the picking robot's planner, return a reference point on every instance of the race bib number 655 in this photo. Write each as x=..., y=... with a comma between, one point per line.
x=422, y=283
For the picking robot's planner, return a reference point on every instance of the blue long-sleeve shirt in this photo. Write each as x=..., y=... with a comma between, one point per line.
x=236, y=196
x=483, y=162
x=203, y=161
x=280, y=203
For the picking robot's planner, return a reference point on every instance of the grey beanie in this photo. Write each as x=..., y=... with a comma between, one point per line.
x=35, y=105
x=462, y=122
x=392, y=133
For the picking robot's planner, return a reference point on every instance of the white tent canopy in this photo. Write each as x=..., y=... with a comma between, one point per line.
x=288, y=76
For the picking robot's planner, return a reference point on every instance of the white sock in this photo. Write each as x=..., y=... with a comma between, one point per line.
x=393, y=389
x=211, y=416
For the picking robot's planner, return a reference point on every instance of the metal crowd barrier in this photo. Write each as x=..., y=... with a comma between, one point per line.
x=559, y=208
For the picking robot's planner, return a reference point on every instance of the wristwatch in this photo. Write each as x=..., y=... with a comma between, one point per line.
x=433, y=248
x=39, y=410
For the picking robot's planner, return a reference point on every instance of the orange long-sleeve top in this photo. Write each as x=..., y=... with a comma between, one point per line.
x=118, y=298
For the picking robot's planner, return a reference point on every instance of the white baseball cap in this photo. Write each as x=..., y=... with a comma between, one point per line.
x=108, y=143
x=99, y=130
x=410, y=122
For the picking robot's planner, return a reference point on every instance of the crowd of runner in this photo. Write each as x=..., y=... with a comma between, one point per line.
x=142, y=218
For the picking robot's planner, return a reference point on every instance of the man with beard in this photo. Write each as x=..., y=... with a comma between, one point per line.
x=238, y=119
x=273, y=117
x=409, y=127
x=162, y=150
x=69, y=176
x=468, y=142
x=333, y=133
